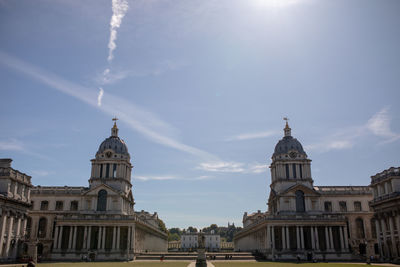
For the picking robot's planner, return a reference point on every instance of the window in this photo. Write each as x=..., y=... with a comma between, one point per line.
x=287, y=171
x=357, y=206
x=107, y=170
x=301, y=171
x=343, y=206
x=328, y=206
x=373, y=228
x=44, y=205
x=74, y=205
x=360, y=228
x=294, y=171
x=101, y=170
x=42, y=228
x=114, y=170
x=300, y=205
x=102, y=200
x=59, y=205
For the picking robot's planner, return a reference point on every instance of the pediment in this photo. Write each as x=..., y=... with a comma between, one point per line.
x=94, y=191
x=292, y=190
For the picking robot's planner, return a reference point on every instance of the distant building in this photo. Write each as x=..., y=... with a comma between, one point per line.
x=322, y=222
x=189, y=241
x=14, y=204
x=386, y=205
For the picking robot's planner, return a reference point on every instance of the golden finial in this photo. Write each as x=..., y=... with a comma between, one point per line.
x=115, y=122
x=286, y=119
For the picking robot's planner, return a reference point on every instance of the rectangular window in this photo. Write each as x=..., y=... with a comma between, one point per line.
x=294, y=171
x=343, y=206
x=107, y=170
x=101, y=170
x=357, y=206
x=287, y=171
x=59, y=205
x=74, y=205
x=114, y=170
x=44, y=205
x=301, y=171
x=328, y=206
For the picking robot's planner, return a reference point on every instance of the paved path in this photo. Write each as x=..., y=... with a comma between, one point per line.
x=193, y=264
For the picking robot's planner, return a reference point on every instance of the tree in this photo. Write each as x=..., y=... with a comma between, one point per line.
x=162, y=227
x=192, y=229
x=173, y=237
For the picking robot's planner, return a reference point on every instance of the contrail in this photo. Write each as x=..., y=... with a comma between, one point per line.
x=119, y=8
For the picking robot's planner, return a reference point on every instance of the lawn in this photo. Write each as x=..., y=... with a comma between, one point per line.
x=116, y=264
x=283, y=264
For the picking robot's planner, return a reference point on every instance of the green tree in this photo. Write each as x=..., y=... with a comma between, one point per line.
x=162, y=227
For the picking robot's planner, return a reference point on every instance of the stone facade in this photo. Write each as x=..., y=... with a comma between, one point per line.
x=14, y=204
x=98, y=221
x=386, y=205
x=189, y=241
x=320, y=222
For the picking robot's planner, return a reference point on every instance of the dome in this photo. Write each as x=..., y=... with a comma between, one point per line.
x=286, y=144
x=114, y=143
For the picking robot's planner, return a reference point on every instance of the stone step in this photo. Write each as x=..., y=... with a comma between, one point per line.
x=185, y=257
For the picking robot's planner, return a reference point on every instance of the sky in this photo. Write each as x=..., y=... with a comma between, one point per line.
x=200, y=89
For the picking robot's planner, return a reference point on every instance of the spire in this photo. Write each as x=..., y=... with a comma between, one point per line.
x=287, y=130
x=114, y=129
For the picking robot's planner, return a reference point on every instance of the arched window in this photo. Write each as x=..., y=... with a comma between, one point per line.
x=360, y=228
x=42, y=228
x=102, y=200
x=300, y=206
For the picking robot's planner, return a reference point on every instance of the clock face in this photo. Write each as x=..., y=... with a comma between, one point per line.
x=292, y=154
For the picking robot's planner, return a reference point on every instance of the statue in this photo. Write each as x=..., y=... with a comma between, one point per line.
x=201, y=251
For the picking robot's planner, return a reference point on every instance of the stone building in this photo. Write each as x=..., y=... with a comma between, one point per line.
x=98, y=221
x=386, y=205
x=14, y=204
x=189, y=241
x=322, y=222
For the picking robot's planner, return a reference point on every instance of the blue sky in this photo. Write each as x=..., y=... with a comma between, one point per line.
x=200, y=88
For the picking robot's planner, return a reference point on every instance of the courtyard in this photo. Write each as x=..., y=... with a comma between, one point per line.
x=216, y=264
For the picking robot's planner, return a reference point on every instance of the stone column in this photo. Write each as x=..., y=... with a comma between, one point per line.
x=268, y=234
x=378, y=236
x=328, y=246
x=118, y=236
x=341, y=238
x=60, y=237
x=71, y=229
x=298, y=237
x=385, y=238
x=84, y=237
x=273, y=236
x=287, y=238
x=17, y=233
x=346, y=239
x=56, y=238
x=74, y=238
x=129, y=239
x=89, y=237
x=103, y=244
x=283, y=238
x=114, y=246
x=316, y=238
x=133, y=237
x=331, y=237
x=312, y=238
x=9, y=232
x=99, y=237
x=23, y=230
x=302, y=237
x=394, y=248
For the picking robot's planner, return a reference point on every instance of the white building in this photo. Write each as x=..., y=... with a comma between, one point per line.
x=324, y=222
x=189, y=241
x=99, y=221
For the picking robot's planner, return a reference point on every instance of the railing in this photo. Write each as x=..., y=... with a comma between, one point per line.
x=385, y=197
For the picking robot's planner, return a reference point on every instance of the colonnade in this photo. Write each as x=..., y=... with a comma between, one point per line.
x=12, y=229
x=387, y=229
x=287, y=240
x=88, y=240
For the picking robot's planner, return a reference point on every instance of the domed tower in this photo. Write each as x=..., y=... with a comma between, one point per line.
x=112, y=164
x=290, y=165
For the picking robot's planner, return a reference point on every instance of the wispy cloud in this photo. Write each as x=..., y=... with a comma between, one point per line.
x=11, y=145
x=248, y=136
x=231, y=167
x=100, y=96
x=119, y=8
x=378, y=125
x=137, y=118
x=170, y=177
x=40, y=173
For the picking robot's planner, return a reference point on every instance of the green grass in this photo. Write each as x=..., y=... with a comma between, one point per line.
x=284, y=264
x=115, y=264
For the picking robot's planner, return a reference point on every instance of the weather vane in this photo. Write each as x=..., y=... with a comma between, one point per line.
x=286, y=119
x=115, y=119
